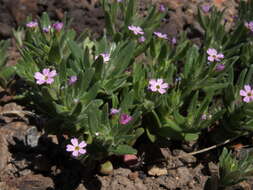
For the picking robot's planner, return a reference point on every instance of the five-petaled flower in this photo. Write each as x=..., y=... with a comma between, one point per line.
x=247, y=93
x=106, y=57
x=32, y=24
x=214, y=55
x=161, y=35
x=46, y=76
x=136, y=30
x=158, y=86
x=76, y=148
x=125, y=119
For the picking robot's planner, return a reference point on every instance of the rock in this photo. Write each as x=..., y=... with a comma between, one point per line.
x=4, y=186
x=41, y=163
x=157, y=171
x=34, y=182
x=4, y=152
x=122, y=171
x=140, y=186
x=80, y=187
x=5, y=30
x=133, y=175
x=106, y=168
x=53, y=138
x=32, y=137
x=20, y=9
x=130, y=159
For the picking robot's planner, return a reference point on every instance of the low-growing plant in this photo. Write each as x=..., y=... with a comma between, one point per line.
x=233, y=171
x=105, y=93
x=6, y=72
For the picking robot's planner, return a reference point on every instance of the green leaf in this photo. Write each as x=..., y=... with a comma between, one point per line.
x=124, y=149
x=55, y=53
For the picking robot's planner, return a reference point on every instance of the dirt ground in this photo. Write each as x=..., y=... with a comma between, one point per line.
x=32, y=160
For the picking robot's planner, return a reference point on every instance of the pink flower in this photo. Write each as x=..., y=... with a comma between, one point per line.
x=206, y=8
x=58, y=26
x=160, y=35
x=72, y=80
x=158, y=86
x=125, y=119
x=203, y=117
x=141, y=39
x=46, y=76
x=106, y=57
x=162, y=8
x=213, y=55
x=220, y=67
x=136, y=29
x=247, y=93
x=46, y=29
x=76, y=148
x=114, y=111
x=249, y=25
x=32, y=24
x=174, y=40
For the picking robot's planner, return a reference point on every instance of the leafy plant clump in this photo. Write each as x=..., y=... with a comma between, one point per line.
x=105, y=93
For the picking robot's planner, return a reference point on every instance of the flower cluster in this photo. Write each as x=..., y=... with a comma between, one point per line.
x=57, y=26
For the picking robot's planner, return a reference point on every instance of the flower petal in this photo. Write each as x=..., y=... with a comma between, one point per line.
x=246, y=99
x=49, y=80
x=210, y=58
x=153, y=88
x=38, y=76
x=211, y=51
x=220, y=56
x=82, y=144
x=74, y=141
x=247, y=88
x=152, y=81
x=161, y=91
x=40, y=82
x=82, y=151
x=46, y=72
x=243, y=93
x=70, y=148
x=52, y=73
x=164, y=85
x=160, y=81
x=75, y=153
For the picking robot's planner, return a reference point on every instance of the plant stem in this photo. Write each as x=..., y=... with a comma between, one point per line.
x=211, y=147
